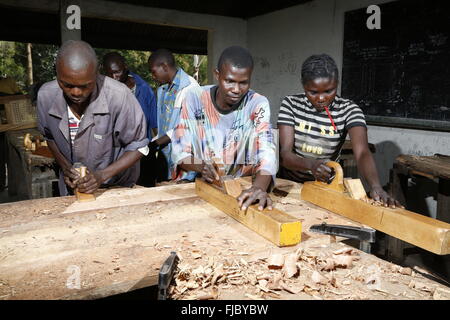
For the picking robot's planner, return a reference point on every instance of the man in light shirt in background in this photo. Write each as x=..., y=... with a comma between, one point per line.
x=175, y=82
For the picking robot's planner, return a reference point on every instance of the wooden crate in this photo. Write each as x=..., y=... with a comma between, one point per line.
x=18, y=109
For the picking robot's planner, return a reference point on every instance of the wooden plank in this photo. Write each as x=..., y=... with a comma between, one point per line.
x=118, y=197
x=436, y=166
x=274, y=225
x=424, y=232
x=12, y=127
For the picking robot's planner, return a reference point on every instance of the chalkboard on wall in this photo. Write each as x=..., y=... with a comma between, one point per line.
x=400, y=74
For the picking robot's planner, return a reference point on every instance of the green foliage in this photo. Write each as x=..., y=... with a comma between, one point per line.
x=13, y=62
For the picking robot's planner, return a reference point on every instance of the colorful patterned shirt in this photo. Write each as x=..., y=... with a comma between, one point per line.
x=242, y=139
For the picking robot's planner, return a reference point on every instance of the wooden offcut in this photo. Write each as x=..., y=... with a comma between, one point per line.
x=232, y=186
x=424, y=232
x=83, y=197
x=274, y=225
x=355, y=188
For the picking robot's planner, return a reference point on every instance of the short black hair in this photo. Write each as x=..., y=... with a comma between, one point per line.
x=236, y=56
x=162, y=55
x=113, y=56
x=319, y=66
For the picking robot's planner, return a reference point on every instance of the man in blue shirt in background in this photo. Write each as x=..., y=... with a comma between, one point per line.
x=114, y=66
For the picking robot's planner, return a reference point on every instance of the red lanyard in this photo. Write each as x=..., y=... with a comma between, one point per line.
x=331, y=119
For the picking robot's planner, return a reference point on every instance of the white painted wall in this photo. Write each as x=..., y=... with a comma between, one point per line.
x=282, y=40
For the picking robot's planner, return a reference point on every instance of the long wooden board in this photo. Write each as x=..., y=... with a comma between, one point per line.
x=274, y=225
x=427, y=233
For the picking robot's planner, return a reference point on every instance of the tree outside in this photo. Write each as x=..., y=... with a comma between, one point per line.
x=13, y=63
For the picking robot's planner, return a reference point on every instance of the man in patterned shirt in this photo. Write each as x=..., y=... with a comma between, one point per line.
x=313, y=127
x=229, y=122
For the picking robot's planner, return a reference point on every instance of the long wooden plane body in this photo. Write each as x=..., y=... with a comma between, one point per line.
x=274, y=225
x=424, y=232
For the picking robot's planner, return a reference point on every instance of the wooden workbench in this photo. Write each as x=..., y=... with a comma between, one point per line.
x=47, y=245
x=30, y=176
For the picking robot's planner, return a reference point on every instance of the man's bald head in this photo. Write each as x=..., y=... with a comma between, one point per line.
x=76, y=70
x=76, y=56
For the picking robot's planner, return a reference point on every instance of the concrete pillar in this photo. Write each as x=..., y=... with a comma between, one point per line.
x=70, y=20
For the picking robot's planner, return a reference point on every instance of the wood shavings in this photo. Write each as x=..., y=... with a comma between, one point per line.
x=292, y=290
x=345, y=250
x=441, y=294
x=196, y=255
x=211, y=296
x=419, y=286
x=290, y=266
x=373, y=282
x=405, y=271
x=343, y=261
x=316, y=277
x=329, y=265
x=253, y=297
x=276, y=261
x=275, y=282
x=218, y=273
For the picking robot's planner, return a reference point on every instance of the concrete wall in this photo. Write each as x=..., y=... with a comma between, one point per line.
x=282, y=40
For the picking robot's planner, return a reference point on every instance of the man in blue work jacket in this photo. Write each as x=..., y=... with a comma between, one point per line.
x=114, y=66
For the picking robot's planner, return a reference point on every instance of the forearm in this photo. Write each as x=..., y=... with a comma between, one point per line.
x=191, y=164
x=291, y=161
x=368, y=169
x=162, y=141
x=128, y=159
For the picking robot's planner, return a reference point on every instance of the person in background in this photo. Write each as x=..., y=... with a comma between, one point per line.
x=175, y=82
x=313, y=127
x=115, y=66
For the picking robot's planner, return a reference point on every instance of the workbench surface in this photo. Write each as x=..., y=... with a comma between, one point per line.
x=56, y=248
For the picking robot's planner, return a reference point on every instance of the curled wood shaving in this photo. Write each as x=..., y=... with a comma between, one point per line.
x=344, y=261
x=316, y=277
x=276, y=261
x=329, y=265
x=253, y=297
x=290, y=266
x=405, y=271
x=345, y=250
x=291, y=290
